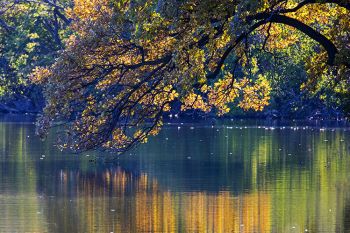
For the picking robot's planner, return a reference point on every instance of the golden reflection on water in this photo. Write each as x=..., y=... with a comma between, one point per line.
x=122, y=202
x=272, y=182
x=150, y=209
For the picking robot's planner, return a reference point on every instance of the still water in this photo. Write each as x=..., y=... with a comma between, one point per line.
x=231, y=177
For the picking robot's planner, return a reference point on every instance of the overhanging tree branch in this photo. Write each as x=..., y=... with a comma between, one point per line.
x=341, y=3
x=275, y=18
x=312, y=33
x=231, y=47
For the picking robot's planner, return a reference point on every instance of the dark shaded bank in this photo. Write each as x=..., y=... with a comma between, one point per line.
x=236, y=121
x=33, y=102
x=18, y=118
x=30, y=102
x=21, y=105
x=24, y=110
x=313, y=109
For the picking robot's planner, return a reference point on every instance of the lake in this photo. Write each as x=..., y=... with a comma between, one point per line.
x=234, y=176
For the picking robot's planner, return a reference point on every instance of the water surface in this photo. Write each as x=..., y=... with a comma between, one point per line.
x=231, y=177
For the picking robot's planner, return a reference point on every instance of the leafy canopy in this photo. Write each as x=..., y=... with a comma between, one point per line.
x=30, y=35
x=129, y=61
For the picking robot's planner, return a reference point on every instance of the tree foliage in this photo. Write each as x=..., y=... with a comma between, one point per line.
x=30, y=34
x=128, y=61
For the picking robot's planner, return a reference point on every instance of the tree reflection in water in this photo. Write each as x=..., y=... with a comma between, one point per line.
x=236, y=180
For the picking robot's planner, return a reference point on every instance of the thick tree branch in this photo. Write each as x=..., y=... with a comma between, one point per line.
x=275, y=18
x=312, y=33
x=231, y=47
x=164, y=59
x=4, y=25
x=342, y=3
x=62, y=16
